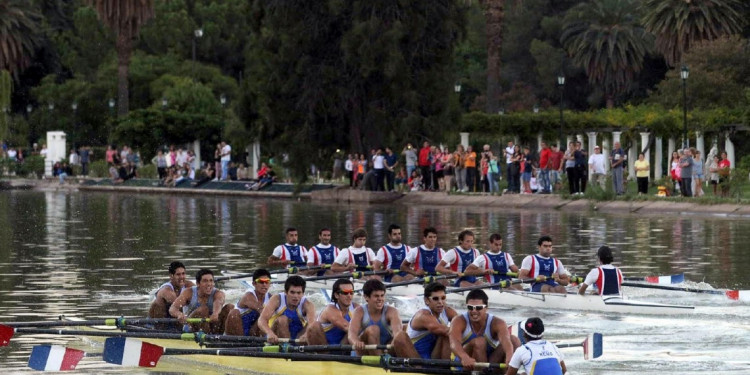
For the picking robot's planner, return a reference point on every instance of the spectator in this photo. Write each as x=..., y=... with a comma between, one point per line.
x=349, y=167
x=207, y=175
x=493, y=174
x=424, y=164
x=458, y=163
x=723, y=171
x=697, y=174
x=378, y=164
x=448, y=169
x=44, y=151
x=411, y=158
x=12, y=154
x=73, y=157
x=242, y=172
x=484, y=170
x=231, y=171
x=597, y=167
x=161, y=164
x=268, y=178
x=510, y=151
x=111, y=155
x=674, y=172
x=391, y=164
x=217, y=161
x=337, y=166
x=712, y=166
x=544, y=169
x=617, y=160
x=401, y=180
x=357, y=170
x=470, y=163
x=171, y=156
x=526, y=168
x=642, y=170
x=686, y=173
x=570, y=169
x=85, y=158
x=555, y=168
x=437, y=168
x=534, y=183
x=582, y=169
x=126, y=171
x=514, y=173
x=415, y=181
x=114, y=174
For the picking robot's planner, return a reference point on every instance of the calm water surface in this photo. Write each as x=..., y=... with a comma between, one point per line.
x=98, y=255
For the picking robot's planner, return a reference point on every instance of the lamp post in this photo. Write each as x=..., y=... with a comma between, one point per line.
x=164, y=103
x=111, y=103
x=561, y=86
x=197, y=33
x=684, y=73
x=501, y=111
x=223, y=100
x=74, y=107
x=536, y=108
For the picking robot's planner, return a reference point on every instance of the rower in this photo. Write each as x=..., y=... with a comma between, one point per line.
x=286, y=314
x=426, y=334
x=374, y=322
x=243, y=319
x=554, y=276
x=392, y=255
x=332, y=325
x=459, y=258
x=477, y=336
x=323, y=253
x=289, y=253
x=606, y=278
x=423, y=259
x=202, y=301
x=168, y=292
x=356, y=257
x=494, y=264
x=537, y=356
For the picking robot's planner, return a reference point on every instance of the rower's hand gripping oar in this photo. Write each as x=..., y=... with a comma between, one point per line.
x=353, y=275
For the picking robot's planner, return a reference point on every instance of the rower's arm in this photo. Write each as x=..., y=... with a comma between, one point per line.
x=167, y=295
x=339, y=268
x=176, y=309
x=514, y=268
x=333, y=316
x=425, y=321
x=395, y=321
x=355, y=326
x=442, y=267
x=248, y=301
x=276, y=261
x=563, y=279
x=454, y=335
x=219, y=298
x=562, y=365
x=523, y=274
x=377, y=265
x=406, y=266
x=582, y=289
x=268, y=311
x=309, y=311
x=501, y=331
x=473, y=270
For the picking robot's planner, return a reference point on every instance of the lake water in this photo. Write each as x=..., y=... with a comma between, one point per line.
x=99, y=254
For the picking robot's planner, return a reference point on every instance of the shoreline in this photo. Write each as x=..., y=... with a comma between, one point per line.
x=344, y=195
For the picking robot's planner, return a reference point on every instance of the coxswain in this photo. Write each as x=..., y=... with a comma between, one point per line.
x=537, y=356
x=478, y=336
x=289, y=253
x=456, y=260
x=332, y=325
x=202, y=300
x=286, y=314
x=426, y=334
x=323, y=253
x=494, y=264
x=423, y=259
x=554, y=276
x=374, y=323
x=392, y=255
x=243, y=319
x=168, y=292
x=606, y=278
x=356, y=257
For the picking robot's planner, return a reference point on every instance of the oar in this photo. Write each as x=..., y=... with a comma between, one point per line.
x=353, y=275
x=661, y=280
x=737, y=295
x=55, y=358
x=289, y=270
x=6, y=333
x=129, y=352
x=114, y=322
x=501, y=284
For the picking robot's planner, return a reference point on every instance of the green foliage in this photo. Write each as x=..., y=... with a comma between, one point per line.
x=32, y=166
x=99, y=169
x=86, y=45
x=19, y=22
x=148, y=171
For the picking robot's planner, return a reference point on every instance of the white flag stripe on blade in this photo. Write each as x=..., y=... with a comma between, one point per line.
x=55, y=358
x=132, y=353
x=665, y=280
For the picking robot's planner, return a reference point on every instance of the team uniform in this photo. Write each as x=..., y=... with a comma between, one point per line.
x=334, y=335
x=425, y=259
x=195, y=304
x=607, y=279
x=297, y=321
x=424, y=341
x=541, y=266
x=498, y=262
x=320, y=254
x=458, y=259
x=386, y=335
x=294, y=253
x=469, y=335
x=362, y=257
x=248, y=315
x=170, y=286
x=539, y=357
x=391, y=258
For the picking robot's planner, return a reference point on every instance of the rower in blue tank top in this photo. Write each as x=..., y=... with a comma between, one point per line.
x=459, y=258
x=202, y=301
x=543, y=265
x=494, y=264
x=323, y=253
x=332, y=325
x=242, y=320
x=168, y=292
x=391, y=256
x=606, y=278
x=426, y=333
x=537, y=356
x=374, y=322
x=289, y=253
x=286, y=314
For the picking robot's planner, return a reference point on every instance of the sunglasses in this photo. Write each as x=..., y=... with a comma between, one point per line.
x=438, y=298
x=348, y=292
x=263, y=281
x=475, y=307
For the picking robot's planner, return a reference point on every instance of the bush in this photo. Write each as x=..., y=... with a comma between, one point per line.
x=32, y=166
x=148, y=171
x=99, y=169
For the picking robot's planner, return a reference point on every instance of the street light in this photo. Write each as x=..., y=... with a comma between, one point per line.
x=164, y=103
x=536, y=108
x=457, y=87
x=51, y=106
x=684, y=73
x=223, y=100
x=197, y=33
x=74, y=107
x=561, y=86
x=501, y=111
x=111, y=103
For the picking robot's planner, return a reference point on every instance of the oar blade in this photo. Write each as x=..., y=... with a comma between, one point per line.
x=54, y=358
x=131, y=352
x=6, y=333
x=666, y=280
x=592, y=346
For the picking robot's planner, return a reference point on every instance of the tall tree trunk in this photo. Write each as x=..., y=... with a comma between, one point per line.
x=124, y=46
x=494, y=12
x=610, y=101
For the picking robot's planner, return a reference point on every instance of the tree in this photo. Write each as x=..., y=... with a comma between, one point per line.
x=125, y=18
x=18, y=37
x=604, y=38
x=494, y=11
x=679, y=24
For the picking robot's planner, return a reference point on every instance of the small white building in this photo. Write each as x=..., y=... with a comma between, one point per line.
x=56, y=150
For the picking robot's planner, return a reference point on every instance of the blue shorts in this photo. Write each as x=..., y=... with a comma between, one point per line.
x=537, y=287
x=389, y=276
x=526, y=176
x=248, y=319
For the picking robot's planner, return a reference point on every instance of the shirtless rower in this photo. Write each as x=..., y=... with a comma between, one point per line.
x=391, y=255
x=168, y=292
x=323, y=253
x=286, y=314
x=537, y=356
x=456, y=260
x=332, y=325
x=243, y=319
x=374, y=322
x=554, y=276
x=356, y=257
x=494, y=264
x=289, y=253
x=202, y=301
x=478, y=336
x=607, y=279
x=426, y=334
x=423, y=259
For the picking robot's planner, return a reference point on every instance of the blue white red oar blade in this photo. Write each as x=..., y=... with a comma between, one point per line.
x=666, y=280
x=54, y=358
x=131, y=352
x=6, y=333
x=592, y=346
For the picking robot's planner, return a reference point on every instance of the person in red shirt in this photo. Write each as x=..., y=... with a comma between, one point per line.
x=424, y=162
x=724, y=165
x=544, y=156
x=554, y=167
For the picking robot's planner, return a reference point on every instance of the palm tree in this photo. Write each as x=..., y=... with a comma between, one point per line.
x=18, y=41
x=604, y=38
x=494, y=13
x=125, y=18
x=679, y=24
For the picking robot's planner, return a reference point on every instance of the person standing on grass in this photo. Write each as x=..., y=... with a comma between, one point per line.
x=642, y=169
x=686, y=173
